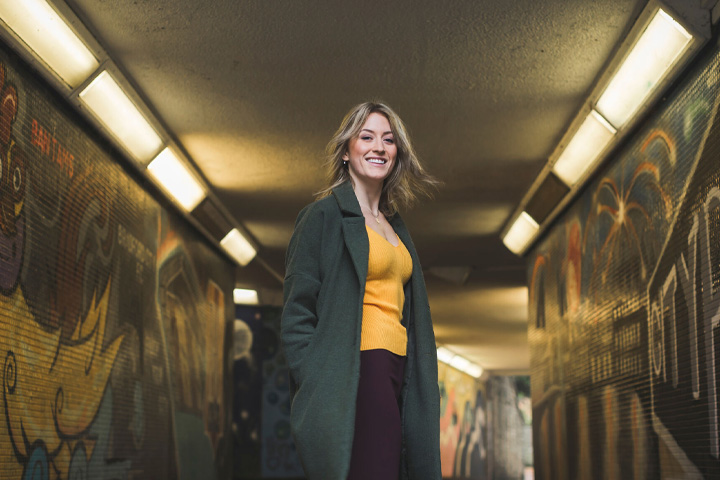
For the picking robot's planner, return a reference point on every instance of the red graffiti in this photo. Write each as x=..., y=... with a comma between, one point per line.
x=51, y=147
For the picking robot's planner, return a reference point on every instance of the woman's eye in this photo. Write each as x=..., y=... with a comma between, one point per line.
x=390, y=140
x=366, y=137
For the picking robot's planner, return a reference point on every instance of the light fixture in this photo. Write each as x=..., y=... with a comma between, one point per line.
x=590, y=140
x=461, y=363
x=177, y=179
x=656, y=50
x=114, y=109
x=444, y=355
x=474, y=370
x=664, y=38
x=237, y=246
x=47, y=34
x=458, y=362
x=522, y=231
x=243, y=296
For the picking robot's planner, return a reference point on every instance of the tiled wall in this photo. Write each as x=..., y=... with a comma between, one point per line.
x=114, y=315
x=624, y=305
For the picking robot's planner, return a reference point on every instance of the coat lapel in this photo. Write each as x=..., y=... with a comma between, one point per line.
x=357, y=243
x=356, y=239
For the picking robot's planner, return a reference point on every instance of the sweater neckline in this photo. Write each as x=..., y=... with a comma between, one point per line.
x=383, y=237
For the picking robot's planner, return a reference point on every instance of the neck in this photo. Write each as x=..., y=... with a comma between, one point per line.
x=368, y=195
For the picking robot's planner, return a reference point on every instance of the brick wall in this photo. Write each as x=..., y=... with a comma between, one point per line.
x=624, y=305
x=114, y=315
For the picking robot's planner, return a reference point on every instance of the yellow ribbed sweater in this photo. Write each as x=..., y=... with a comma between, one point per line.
x=389, y=269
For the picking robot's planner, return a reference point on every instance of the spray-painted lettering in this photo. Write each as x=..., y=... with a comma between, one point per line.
x=49, y=146
x=663, y=314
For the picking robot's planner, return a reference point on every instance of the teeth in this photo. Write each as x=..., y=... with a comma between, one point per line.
x=376, y=160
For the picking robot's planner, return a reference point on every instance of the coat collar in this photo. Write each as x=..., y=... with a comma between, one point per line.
x=354, y=229
x=347, y=200
x=349, y=205
x=354, y=232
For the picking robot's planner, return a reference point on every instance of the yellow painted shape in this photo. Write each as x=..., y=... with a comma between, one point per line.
x=52, y=384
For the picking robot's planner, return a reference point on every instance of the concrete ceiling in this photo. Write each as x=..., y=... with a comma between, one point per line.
x=253, y=90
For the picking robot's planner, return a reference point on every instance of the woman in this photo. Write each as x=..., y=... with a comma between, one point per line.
x=356, y=325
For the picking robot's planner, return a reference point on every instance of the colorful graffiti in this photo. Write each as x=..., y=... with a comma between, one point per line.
x=624, y=310
x=463, y=425
x=113, y=314
x=194, y=327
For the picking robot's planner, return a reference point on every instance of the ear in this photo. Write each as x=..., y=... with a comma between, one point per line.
x=345, y=157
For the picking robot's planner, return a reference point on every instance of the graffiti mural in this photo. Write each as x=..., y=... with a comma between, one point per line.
x=194, y=328
x=624, y=309
x=264, y=444
x=247, y=392
x=113, y=314
x=463, y=425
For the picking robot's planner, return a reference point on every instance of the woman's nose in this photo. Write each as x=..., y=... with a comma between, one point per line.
x=379, y=145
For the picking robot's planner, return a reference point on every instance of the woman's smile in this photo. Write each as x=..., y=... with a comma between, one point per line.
x=371, y=155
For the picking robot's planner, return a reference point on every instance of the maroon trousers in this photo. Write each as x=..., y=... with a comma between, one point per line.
x=378, y=435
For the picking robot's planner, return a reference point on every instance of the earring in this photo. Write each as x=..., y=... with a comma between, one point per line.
x=344, y=162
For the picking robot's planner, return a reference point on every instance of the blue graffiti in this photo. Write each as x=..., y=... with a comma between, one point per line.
x=37, y=467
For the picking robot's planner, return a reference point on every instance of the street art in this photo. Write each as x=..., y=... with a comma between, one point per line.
x=624, y=306
x=113, y=313
x=247, y=392
x=264, y=446
x=463, y=425
x=279, y=457
x=509, y=424
x=46, y=403
x=194, y=329
x=12, y=189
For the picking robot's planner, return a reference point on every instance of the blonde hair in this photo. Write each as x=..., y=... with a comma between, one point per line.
x=408, y=179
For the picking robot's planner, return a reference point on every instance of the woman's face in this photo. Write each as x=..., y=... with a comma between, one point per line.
x=371, y=155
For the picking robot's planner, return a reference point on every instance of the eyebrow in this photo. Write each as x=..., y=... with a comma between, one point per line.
x=389, y=132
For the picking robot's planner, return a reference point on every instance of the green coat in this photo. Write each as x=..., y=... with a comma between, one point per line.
x=326, y=268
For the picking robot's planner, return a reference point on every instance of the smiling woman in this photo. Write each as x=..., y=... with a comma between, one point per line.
x=404, y=184
x=371, y=155
x=356, y=325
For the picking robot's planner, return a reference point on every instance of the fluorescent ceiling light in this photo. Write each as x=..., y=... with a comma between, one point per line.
x=107, y=100
x=177, y=179
x=584, y=148
x=521, y=232
x=238, y=247
x=242, y=296
x=40, y=27
x=444, y=355
x=461, y=363
x=474, y=370
x=658, y=48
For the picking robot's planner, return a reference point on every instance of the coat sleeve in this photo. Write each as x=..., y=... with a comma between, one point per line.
x=301, y=287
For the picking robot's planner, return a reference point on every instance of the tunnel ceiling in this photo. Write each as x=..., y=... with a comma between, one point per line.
x=253, y=90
